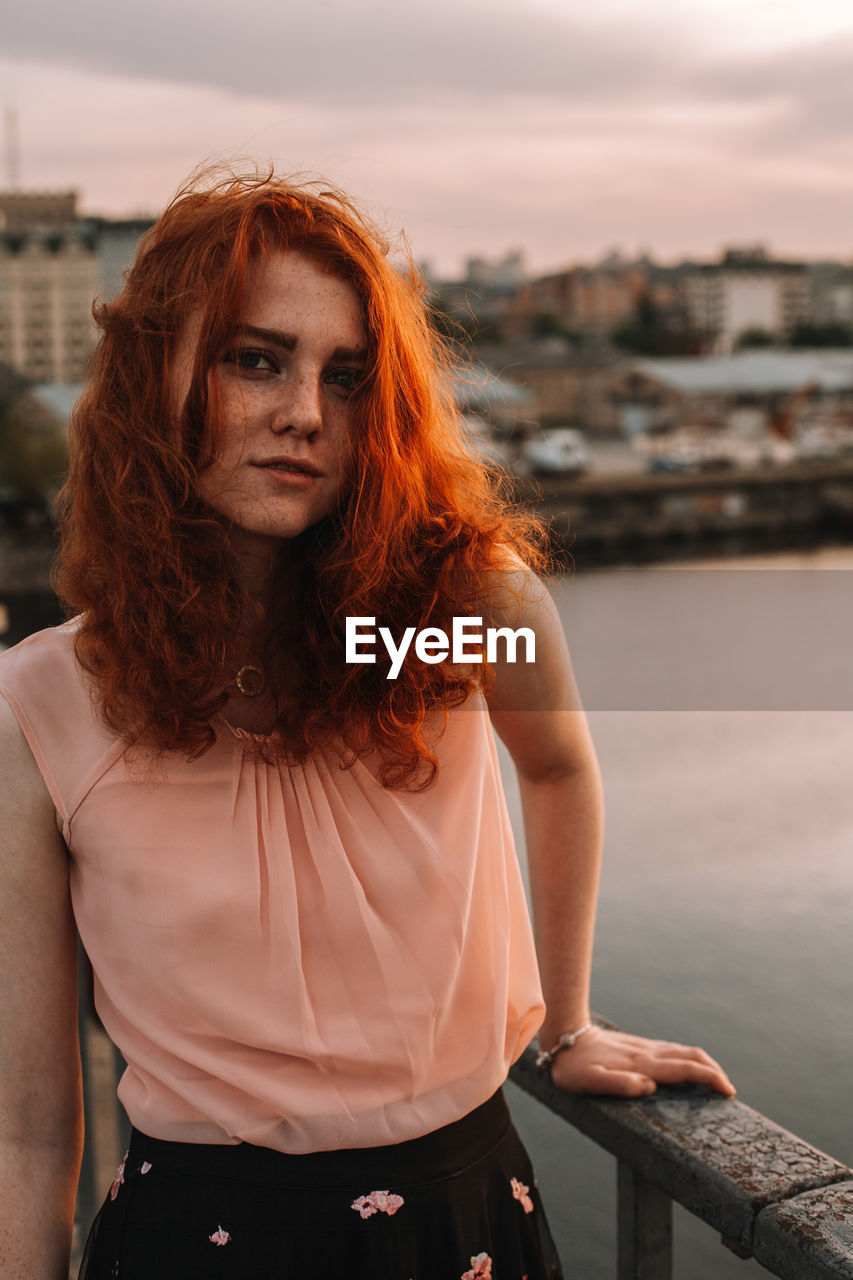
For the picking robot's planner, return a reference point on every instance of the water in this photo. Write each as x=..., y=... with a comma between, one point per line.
x=726, y=746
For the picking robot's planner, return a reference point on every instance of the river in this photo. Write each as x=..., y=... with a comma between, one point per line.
x=720, y=698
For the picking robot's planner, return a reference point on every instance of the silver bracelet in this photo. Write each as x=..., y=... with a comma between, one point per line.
x=567, y=1040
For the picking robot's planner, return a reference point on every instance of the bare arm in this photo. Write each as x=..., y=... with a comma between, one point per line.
x=536, y=710
x=41, y=1125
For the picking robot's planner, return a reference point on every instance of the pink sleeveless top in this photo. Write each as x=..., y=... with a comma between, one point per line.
x=287, y=955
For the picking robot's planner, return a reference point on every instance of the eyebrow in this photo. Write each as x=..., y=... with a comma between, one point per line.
x=355, y=355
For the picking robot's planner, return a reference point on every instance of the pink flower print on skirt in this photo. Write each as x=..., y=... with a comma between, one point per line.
x=219, y=1236
x=119, y=1178
x=519, y=1190
x=145, y=1167
x=481, y=1268
x=377, y=1202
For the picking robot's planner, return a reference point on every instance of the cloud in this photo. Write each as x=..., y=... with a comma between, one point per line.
x=339, y=53
x=477, y=127
x=812, y=85
x=333, y=50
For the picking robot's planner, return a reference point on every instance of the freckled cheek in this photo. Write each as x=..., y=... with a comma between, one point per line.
x=216, y=484
x=228, y=440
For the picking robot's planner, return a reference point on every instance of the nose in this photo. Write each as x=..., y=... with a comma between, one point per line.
x=300, y=409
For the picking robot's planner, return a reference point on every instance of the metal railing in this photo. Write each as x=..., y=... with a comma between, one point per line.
x=770, y=1195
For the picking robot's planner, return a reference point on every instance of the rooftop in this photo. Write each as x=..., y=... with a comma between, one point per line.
x=758, y=372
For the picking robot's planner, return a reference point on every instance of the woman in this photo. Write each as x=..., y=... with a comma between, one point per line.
x=293, y=873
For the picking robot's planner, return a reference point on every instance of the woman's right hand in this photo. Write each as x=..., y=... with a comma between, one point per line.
x=628, y=1066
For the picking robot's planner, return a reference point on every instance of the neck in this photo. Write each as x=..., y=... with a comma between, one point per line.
x=262, y=562
x=269, y=583
x=255, y=572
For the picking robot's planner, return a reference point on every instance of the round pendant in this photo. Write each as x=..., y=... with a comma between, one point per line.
x=250, y=681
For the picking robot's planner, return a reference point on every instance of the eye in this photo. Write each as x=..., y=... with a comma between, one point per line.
x=347, y=378
x=251, y=360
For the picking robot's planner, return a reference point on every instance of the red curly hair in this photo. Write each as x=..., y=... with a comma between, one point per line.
x=420, y=528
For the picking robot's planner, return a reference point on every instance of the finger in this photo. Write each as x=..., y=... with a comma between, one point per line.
x=663, y=1048
x=662, y=1060
x=669, y=1049
x=596, y=1078
x=635, y=1051
x=686, y=1070
x=621, y=1084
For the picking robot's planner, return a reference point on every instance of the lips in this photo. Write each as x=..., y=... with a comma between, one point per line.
x=292, y=466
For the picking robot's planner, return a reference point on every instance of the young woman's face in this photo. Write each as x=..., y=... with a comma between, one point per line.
x=285, y=386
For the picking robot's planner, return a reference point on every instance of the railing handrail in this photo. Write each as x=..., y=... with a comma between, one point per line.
x=769, y=1194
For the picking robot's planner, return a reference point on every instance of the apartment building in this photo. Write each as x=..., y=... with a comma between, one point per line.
x=747, y=290
x=52, y=267
x=595, y=299
x=832, y=293
x=48, y=277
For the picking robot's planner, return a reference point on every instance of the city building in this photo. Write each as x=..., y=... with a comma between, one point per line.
x=20, y=211
x=596, y=299
x=115, y=241
x=53, y=265
x=476, y=305
x=564, y=385
x=744, y=394
x=747, y=293
x=506, y=273
x=832, y=294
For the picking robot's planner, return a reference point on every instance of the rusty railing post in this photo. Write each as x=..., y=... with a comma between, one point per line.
x=644, y=1228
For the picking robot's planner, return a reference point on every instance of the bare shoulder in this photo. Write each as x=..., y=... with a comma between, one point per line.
x=512, y=589
x=516, y=599
x=534, y=701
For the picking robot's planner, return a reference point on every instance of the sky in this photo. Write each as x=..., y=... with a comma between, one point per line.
x=674, y=127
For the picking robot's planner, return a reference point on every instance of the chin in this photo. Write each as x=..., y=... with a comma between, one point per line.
x=261, y=535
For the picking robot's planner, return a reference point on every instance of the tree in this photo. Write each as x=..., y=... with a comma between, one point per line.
x=547, y=325
x=756, y=337
x=654, y=331
x=833, y=334
x=33, y=451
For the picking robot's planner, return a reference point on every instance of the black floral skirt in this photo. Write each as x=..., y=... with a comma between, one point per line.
x=458, y=1204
